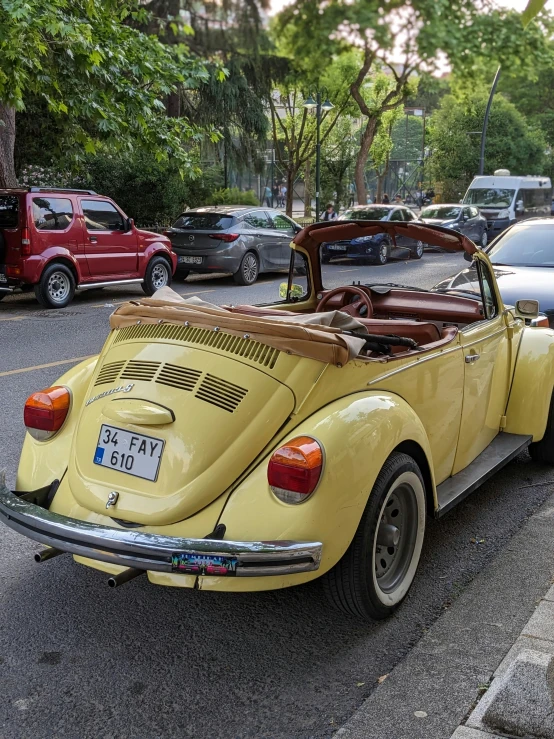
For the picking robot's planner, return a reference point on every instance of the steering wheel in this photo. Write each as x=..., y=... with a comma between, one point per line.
x=360, y=308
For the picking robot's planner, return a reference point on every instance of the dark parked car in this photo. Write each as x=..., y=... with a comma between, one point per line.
x=376, y=249
x=523, y=261
x=237, y=239
x=463, y=218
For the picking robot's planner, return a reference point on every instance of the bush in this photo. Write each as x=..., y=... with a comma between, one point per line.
x=233, y=196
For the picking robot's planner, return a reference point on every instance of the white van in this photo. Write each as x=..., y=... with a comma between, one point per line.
x=504, y=199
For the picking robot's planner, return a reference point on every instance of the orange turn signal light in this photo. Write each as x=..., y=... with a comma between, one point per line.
x=45, y=412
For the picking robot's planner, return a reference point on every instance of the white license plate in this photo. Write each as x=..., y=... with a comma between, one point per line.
x=190, y=260
x=336, y=247
x=134, y=454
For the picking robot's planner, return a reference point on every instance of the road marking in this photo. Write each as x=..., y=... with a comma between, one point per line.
x=354, y=269
x=45, y=366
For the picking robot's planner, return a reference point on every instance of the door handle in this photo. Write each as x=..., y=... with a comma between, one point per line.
x=93, y=240
x=470, y=358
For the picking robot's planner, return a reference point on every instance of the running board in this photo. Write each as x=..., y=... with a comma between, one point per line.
x=499, y=452
x=92, y=285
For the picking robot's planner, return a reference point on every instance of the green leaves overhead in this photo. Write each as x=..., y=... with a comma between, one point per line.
x=533, y=8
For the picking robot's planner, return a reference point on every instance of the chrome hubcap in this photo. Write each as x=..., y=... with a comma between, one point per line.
x=250, y=268
x=396, y=537
x=58, y=287
x=383, y=252
x=159, y=276
x=419, y=248
x=484, y=238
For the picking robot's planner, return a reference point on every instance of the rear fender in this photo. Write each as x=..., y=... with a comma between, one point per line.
x=44, y=461
x=358, y=434
x=531, y=391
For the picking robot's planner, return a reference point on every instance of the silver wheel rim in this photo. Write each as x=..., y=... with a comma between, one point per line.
x=159, y=276
x=249, y=268
x=58, y=287
x=484, y=239
x=395, y=538
x=419, y=249
x=383, y=253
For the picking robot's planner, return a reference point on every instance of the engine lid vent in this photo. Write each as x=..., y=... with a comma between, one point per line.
x=182, y=378
x=221, y=393
x=109, y=373
x=140, y=370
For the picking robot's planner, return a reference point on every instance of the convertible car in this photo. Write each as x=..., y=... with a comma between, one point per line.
x=246, y=448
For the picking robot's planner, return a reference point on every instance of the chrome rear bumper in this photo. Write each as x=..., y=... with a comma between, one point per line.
x=133, y=548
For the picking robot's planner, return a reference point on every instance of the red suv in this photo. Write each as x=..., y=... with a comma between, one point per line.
x=59, y=241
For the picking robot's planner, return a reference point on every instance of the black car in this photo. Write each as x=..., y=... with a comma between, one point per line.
x=523, y=261
x=237, y=239
x=376, y=249
x=463, y=218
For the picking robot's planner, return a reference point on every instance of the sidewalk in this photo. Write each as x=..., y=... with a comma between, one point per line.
x=433, y=692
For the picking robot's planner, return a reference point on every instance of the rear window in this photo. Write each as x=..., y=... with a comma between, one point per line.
x=203, y=221
x=52, y=214
x=9, y=211
x=365, y=214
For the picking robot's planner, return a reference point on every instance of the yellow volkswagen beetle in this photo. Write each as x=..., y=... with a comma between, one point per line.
x=246, y=448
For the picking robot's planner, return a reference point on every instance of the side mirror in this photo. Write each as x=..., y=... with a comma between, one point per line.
x=129, y=223
x=527, y=309
x=468, y=257
x=296, y=291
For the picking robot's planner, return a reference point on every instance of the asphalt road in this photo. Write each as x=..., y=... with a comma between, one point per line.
x=78, y=659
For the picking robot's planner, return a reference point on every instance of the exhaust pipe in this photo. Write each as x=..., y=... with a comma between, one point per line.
x=47, y=554
x=129, y=574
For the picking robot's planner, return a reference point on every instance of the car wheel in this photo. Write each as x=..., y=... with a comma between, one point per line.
x=158, y=275
x=56, y=287
x=383, y=253
x=543, y=450
x=377, y=570
x=416, y=252
x=484, y=239
x=249, y=269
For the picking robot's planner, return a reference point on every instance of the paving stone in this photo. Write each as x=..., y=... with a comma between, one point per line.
x=550, y=594
x=520, y=703
x=541, y=623
x=524, y=642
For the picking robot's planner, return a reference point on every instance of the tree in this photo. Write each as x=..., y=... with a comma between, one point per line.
x=337, y=158
x=511, y=142
x=106, y=79
x=404, y=38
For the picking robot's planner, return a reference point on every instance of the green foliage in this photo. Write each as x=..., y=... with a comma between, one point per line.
x=233, y=196
x=338, y=155
x=89, y=64
x=511, y=142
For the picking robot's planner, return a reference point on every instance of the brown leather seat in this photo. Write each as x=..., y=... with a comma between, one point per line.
x=423, y=333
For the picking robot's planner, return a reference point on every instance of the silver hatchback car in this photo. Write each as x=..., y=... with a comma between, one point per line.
x=241, y=240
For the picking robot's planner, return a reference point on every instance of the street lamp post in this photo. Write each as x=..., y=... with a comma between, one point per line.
x=316, y=104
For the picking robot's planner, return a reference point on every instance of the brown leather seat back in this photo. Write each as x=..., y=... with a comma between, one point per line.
x=423, y=333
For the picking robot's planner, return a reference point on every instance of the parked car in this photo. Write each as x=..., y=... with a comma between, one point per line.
x=242, y=240
x=523, y=261
x=376, y=249
x=57, y=241
x=282, y=443
x=466, y=219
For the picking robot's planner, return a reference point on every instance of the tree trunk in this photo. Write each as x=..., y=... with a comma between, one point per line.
x=7, y=146
x=308, y=190
x=361, y=160
x=290, y=192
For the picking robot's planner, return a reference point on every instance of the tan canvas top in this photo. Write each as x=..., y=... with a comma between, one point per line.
x=316, y=336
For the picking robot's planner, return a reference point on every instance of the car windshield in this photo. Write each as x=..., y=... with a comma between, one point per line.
x=527, y=245
x=465, y=283
x=365, y=214
x=440, y=211
x=9, y=211
x=489, y=197
x=203, y=221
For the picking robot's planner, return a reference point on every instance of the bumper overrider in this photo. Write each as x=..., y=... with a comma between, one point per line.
x=134, y=549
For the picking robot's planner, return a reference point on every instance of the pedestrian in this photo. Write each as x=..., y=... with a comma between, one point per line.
x=386, y=199
x=283, y=194
x=276, y=193
x=398, y=200
x=267, y=196
x=351, y=193
x=329, y=214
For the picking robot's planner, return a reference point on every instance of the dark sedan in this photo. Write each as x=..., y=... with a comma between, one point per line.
x=376, y=249
x=523, y=260
x=244, y=241
x=463, y=218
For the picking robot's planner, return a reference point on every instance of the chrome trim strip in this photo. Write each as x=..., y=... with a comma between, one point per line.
x=133, y=548
x=91, y=285
x=379, y=379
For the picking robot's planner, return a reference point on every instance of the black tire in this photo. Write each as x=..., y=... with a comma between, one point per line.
x=158, y=275
x=354, y=585
x=383, y=253
x=416, y=252
x=543, y=451
x=249, y=269
x=56, y=287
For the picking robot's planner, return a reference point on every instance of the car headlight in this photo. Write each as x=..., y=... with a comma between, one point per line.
x=503, y=213
x=362, y=240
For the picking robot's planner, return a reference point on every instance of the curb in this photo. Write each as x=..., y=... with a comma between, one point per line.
x=430, y=693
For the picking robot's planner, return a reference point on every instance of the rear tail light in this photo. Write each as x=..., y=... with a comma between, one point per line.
x=228, y=238
x=25, y=242
x=45, y=412
x=294, y=469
